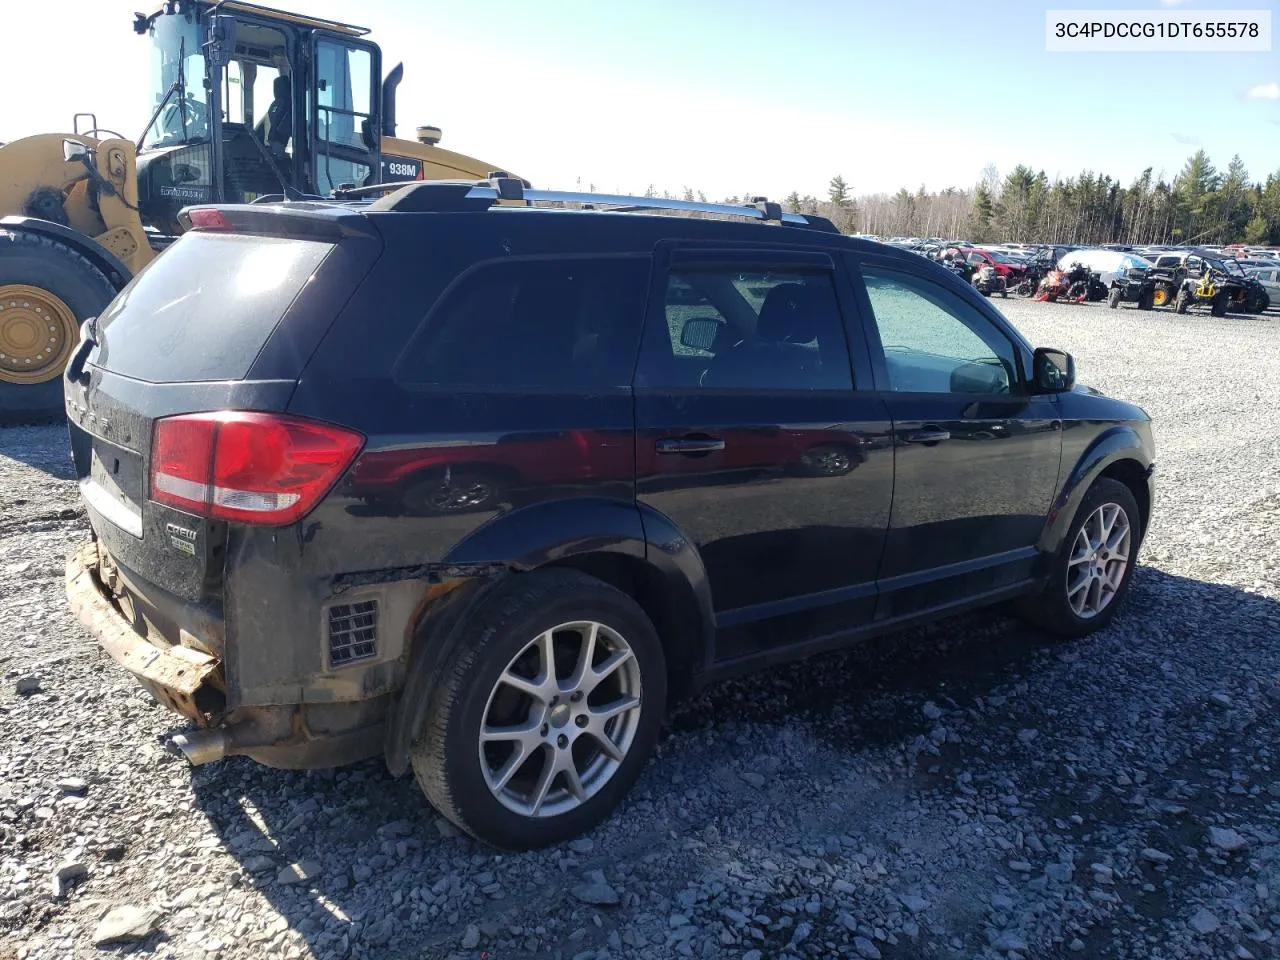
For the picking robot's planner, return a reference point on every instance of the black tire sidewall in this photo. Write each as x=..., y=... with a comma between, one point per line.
x=1055, y=611
x=485, y=817
x=52, y=266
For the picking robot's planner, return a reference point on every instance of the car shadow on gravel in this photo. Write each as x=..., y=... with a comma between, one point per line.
x=311, y=842
x=44, y=448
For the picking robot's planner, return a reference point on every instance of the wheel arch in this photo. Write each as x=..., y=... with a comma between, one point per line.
x=1118, y=453
x=633, y=549
x=107, y=263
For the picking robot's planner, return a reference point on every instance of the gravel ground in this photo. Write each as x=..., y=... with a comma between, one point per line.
x=968, y=790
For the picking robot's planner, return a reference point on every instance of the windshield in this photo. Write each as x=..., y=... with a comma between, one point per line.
x=176, y=58
x=1233, y=268
x=1001, y=257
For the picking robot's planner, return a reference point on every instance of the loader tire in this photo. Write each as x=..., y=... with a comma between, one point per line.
x=47, y=290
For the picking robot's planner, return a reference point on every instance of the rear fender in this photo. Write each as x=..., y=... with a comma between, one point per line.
x=1120, y=442
x=562, y=532
x=571, y=532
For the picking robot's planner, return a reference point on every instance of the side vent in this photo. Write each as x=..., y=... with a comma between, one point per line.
x=353, y=632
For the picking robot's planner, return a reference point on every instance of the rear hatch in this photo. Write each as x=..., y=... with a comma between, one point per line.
x=224, y=320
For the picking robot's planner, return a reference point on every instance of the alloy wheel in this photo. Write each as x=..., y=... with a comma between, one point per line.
x=560, y=719
x=1099, y=560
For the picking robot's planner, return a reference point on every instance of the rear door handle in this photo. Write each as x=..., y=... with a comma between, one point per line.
x=689, y=445
x=927, y=437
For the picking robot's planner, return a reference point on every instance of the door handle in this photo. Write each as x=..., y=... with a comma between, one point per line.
x=928, y=437
x=688, y=446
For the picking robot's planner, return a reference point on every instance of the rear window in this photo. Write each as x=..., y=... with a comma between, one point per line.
x=204, y=308
x=568, y=322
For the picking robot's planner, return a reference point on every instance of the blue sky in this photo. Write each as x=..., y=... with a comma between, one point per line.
x=728, y=96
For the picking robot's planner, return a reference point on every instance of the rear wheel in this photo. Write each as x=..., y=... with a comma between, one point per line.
x=1161, y=295
x=1253, y=303
x=1146, y=299
x=1183, y=301
x=543, y=719
x=1220, y=302
x=1113, y=299
x=1091, y=572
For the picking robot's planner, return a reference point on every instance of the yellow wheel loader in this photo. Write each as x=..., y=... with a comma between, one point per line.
x=250, y=104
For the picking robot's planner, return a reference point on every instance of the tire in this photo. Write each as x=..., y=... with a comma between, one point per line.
x=1254, y=302
x=1146, y=299
x=452, y=491
x=1052, y=609
x=447, y=756
x=1219, y=306
x=48, y=291
x=1004, y=293
x=1182, y=302
x=1113, y=299
x=1161, y=294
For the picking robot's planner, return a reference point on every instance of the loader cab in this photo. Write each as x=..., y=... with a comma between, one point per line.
x=250, y=102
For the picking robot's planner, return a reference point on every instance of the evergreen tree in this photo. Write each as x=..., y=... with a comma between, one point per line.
x=838, y=191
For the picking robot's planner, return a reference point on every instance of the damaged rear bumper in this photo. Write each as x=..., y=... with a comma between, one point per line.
x=192, y=683
x=174, y=675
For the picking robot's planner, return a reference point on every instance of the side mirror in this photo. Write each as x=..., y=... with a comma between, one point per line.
x=222, y=39
x=1053, y=371
x=73, y=151
x=700, y=333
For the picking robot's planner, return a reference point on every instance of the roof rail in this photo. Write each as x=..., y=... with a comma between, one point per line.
x=440, y=196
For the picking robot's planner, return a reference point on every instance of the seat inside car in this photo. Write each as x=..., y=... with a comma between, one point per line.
x=778, y=352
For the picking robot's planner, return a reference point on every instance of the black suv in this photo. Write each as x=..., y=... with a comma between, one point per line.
x=481, y=486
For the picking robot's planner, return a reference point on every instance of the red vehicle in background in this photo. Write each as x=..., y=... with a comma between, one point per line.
x=1010, y=269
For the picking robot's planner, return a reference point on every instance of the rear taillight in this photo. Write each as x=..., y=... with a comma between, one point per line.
x=261, y=468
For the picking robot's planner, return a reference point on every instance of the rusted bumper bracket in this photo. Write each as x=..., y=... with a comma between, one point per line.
x=172, y=674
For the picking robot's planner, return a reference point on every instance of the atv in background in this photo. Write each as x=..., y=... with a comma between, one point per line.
x=1212, y=289
x=1133, y=285
x=1245, y=291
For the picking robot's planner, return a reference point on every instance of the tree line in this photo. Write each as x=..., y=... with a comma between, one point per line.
x=1200, y=205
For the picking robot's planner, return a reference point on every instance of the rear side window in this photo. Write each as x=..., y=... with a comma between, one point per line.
x=552, y=323
x=205, y=307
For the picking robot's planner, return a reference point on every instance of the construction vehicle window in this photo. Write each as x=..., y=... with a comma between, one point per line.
x=344, y=91
x=177, y=81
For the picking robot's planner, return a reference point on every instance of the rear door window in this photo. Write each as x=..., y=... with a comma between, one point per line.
x=205, y=307
x=534, y=323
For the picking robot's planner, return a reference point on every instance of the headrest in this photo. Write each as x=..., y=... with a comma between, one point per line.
x=791, y=313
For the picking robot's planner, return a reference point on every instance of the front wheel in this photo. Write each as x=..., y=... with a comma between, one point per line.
x=1091, y=573
x=1113, y=300
x=544, y=717
x=1220, y=303
x=1183, y=301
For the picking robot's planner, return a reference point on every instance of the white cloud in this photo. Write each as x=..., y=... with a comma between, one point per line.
x=1172, y=3
x=1264, y=91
